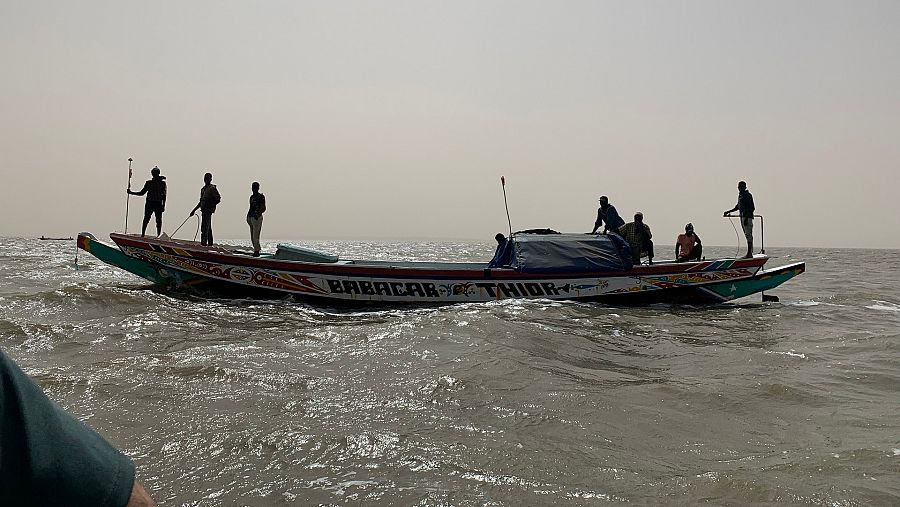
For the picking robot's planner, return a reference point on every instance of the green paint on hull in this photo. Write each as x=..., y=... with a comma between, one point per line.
x=114, y=257
x=762, y=281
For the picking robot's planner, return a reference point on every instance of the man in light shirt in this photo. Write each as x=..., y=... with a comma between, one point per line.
x=689, y=245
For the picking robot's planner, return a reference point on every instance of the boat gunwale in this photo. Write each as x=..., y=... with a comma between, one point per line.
x=704, y=291
x=223, y=255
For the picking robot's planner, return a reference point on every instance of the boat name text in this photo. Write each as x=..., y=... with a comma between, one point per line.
x=431, y=290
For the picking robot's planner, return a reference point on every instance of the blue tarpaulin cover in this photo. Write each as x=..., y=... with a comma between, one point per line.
x=564, y=253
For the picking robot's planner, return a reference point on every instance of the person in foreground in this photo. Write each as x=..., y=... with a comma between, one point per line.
x=607, y=216
x=155, y=188
x=689, y=245
x=638, y=236
x=51, y=458
x=255, y=216
x=209, y=198
x=745, y=209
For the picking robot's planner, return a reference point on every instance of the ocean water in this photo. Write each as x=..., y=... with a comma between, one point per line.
x=240, y=402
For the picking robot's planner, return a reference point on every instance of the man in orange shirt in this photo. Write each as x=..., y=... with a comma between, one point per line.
x=689, y=244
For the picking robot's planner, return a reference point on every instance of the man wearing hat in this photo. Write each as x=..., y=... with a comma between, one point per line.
x=608, y=216
x=637, y=234
x=689, y=244
x=155, y=188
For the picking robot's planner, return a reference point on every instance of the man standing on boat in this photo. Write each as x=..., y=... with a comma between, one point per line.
x=155, y=188
x=745, y=209
x=638, y=236
x=209, y=198
x=255, y=216
x=689, y=244
x=608, y=216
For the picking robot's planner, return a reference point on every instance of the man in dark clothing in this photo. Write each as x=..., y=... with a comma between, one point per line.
x=638, y=236
x=608, y=216
x=745, y=209
x=501, y=242
x=51, y=458
x=500, y=254
x=255, y=216
x=155, y=188
x=209, y=198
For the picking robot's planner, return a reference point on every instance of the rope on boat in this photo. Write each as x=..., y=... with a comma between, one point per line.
x=198, y=228
x=737, y=237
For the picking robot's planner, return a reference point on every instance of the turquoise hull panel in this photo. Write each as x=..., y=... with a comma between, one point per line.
x=113, y=256
x=762, y=281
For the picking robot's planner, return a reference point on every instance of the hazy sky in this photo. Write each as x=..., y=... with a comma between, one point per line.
x=396, y=119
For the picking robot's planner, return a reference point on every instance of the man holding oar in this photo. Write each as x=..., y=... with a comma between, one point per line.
x=155, y=188
x=209, y=198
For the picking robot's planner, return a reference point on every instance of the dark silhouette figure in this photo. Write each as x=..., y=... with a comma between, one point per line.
x=209, y=198
x=607, y=216
x=155, y=188
x=255, y=216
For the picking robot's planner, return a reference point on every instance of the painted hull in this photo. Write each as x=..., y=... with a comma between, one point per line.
x=219, y=270
x=113, y=256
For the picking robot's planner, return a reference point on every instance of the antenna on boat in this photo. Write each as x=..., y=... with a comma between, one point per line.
x=128, y=196
x=505, y=204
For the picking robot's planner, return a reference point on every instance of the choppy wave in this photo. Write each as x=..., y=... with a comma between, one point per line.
x=886, y=306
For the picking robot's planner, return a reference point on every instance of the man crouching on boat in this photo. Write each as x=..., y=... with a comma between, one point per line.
x=607, y=216
x=637, y=234
x=689, y=244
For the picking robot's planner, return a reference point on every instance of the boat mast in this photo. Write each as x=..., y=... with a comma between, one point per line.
x=505, y=204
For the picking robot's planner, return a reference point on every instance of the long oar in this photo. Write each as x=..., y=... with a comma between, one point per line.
x=128, y=196
x=182, y=225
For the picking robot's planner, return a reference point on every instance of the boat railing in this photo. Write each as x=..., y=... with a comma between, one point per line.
x=762, y=232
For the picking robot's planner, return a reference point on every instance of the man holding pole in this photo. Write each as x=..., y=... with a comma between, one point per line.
x=155, y=188
x=209, y=198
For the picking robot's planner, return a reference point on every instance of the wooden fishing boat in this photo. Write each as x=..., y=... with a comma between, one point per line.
x=581, y=267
